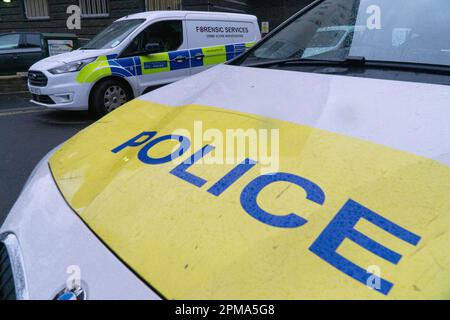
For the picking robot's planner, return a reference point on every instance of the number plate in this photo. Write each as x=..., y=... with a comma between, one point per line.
x=35, y=90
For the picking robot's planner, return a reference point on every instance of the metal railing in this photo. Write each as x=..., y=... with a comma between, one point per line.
x=163, y=5
x=94, y=8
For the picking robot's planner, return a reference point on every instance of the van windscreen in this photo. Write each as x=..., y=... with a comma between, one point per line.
x=113, y=35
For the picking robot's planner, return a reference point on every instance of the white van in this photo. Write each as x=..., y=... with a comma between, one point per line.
x=139, y=53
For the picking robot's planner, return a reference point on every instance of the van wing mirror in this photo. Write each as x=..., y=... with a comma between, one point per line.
x=153, y=47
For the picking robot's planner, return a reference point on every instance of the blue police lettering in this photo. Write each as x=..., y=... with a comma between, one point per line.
x=185, y=143
x=180, y=171
x=326, y=244
x=250, y=194
x=143, y=156
x=231, y=177
x=134, y=142
x=342, y=227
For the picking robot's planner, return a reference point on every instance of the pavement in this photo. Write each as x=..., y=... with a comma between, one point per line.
x=28, y=133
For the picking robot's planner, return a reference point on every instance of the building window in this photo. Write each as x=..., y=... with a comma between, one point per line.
x=163, y=4
x=94, y=8
x=36, y=9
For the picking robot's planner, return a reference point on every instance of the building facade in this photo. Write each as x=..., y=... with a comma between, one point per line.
x=52, y=15
x=276, y=11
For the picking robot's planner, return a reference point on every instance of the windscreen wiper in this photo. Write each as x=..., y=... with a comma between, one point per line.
x=356, y=62
x=349, y=61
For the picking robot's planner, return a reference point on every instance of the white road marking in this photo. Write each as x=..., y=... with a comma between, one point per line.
x=10, y=112
x=13, y=93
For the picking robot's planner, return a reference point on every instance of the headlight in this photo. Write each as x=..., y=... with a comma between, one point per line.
x=72, y=66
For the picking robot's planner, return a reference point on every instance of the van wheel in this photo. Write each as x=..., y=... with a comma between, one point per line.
x=109, y=95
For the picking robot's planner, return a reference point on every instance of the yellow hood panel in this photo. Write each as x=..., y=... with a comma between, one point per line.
x=189, y=243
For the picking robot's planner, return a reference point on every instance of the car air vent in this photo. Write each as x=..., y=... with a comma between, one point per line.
x=7, y=287
x=37, y=78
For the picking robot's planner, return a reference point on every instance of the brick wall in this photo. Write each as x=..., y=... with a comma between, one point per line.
x=276, y=11
x=12, y=17
x=237, y=6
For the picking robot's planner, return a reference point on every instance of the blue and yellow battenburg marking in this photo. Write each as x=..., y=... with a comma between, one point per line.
x=341, y=218
x=105, y=66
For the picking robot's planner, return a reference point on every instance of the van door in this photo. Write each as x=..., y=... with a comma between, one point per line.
x=32, y=51
x=9, y=53
x=216, y=41
x=170, y=64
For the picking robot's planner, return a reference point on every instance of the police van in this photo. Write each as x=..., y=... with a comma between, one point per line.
x=273, y=176
x=137, y=54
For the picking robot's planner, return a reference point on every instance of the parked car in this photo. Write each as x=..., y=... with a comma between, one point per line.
x=139, y=53
x=270, y=177
x=19, y=51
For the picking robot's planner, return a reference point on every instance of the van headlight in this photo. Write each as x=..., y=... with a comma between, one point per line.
x=71, y=66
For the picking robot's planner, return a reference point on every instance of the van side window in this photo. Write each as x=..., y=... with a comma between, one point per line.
x=169, y=34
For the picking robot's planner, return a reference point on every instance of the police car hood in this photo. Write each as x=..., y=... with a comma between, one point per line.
x=345, y=197
x=67, y=57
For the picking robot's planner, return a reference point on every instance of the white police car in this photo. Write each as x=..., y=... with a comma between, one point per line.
x=137, y=54
x=271, y=177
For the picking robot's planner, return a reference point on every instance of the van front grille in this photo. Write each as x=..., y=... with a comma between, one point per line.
x=37, y=78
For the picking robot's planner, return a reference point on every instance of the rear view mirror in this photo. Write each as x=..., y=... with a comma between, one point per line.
x=153, y=47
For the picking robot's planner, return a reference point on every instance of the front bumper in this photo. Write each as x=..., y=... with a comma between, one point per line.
x=53, y=240
x=61, y=92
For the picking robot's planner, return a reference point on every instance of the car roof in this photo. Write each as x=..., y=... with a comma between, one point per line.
x=181, y=14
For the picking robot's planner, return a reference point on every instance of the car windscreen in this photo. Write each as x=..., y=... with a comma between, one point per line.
x=401, y=31
x=113, y=35
x=326, y=38
x=9, y=41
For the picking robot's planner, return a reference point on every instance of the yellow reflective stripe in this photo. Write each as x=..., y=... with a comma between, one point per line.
x=158, y=62
x=214, y=55
x=94, y=71
x=154, y=63
x=248, y=45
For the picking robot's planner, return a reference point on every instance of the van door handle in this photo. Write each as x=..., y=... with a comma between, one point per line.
x=199, y=56
x=180, y=59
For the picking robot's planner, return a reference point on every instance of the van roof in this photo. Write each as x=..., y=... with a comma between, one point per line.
x=182, y=14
